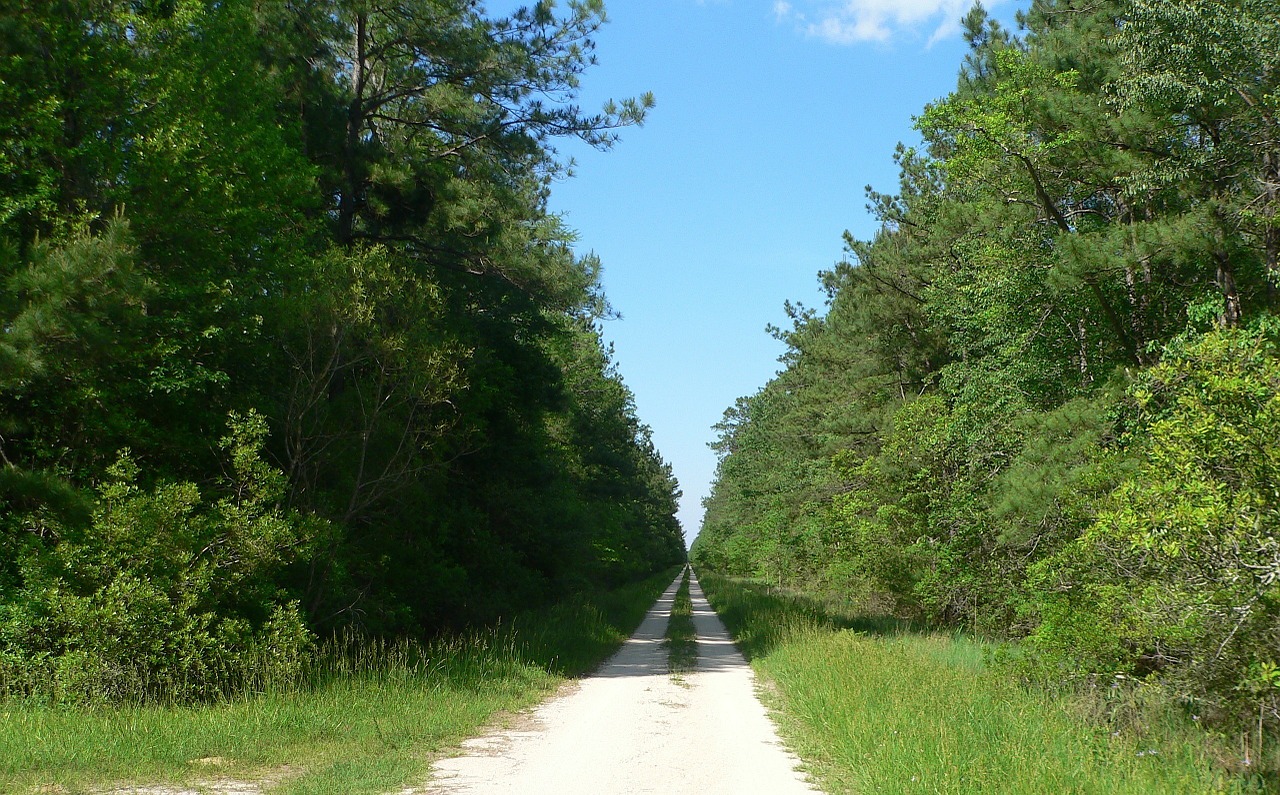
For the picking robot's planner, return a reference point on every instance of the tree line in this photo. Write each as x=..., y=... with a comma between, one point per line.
x=1043, y=401
x=290, y=344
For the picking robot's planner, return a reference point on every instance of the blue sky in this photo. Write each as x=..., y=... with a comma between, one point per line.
x=771, y=118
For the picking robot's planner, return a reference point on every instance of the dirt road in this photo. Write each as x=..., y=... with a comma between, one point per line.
x=630, y=728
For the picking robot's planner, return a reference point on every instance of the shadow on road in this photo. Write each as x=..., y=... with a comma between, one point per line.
x=645, y=654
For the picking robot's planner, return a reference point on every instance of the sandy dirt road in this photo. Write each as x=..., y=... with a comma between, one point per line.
x=631, y=728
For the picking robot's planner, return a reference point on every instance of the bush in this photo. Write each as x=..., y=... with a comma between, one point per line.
x=1178, y=579
x=161, y=596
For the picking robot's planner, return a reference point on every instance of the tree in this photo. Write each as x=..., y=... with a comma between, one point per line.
x=330, y=217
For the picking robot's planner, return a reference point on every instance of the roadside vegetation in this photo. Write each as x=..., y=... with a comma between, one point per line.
x=1042, y=401
x=876, y=705
x=367, y=717
x=682, y=636
x=292, y=347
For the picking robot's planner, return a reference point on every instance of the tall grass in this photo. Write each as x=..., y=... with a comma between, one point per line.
x=879, y=707
x=368, y=717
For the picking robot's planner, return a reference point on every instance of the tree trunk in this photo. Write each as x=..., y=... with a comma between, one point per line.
x=352, y=182
x=1226, y=281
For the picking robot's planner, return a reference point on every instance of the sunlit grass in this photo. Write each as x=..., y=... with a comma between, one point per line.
x=370, y=720
x=682, y=637
x=358, y=731
x=884, y=709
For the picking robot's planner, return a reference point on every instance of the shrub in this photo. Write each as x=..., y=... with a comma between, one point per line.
x=161, y=595
x=1179, y=576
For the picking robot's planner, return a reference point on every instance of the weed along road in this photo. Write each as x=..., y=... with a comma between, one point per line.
x=634, y=728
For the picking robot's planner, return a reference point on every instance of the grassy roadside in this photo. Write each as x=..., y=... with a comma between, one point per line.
x=682, y=636
x=877, y=708
x=370, y=721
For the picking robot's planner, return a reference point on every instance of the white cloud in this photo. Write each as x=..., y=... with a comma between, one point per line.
x=855, y=21
x=849, y=28
x=781, y=9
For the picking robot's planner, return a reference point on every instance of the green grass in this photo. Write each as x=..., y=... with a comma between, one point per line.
x=877, y=707
x=682, y=637
x=371, y=720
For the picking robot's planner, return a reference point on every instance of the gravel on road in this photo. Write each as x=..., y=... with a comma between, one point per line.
x=633, y=728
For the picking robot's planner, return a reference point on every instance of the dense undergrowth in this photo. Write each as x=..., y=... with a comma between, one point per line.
x=876, y=705
x=366, y=717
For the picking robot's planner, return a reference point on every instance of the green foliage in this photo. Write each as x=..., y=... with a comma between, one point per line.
x=1178, y=572
x=161, y=595
x=1039, y=401
x=368, y=715
x=327, y=222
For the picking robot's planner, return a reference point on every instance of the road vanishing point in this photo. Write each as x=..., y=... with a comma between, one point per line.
x=633, y=728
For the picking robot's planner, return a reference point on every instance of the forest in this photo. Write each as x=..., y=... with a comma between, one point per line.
x=1042, y=402
x=290, y=345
